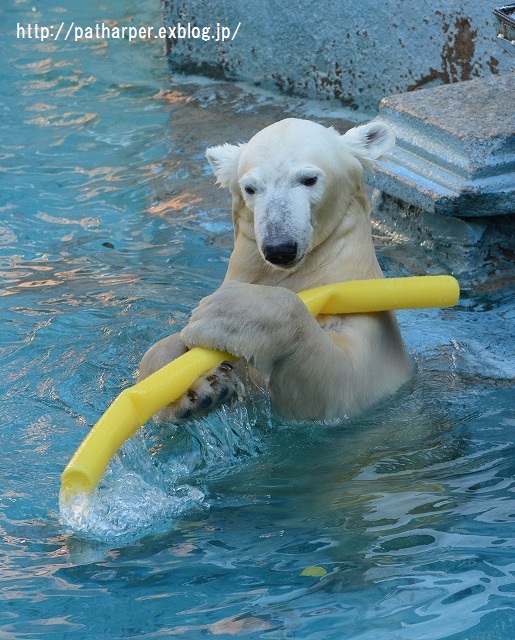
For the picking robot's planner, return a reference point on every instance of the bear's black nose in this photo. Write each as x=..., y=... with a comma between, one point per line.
x=281, y=254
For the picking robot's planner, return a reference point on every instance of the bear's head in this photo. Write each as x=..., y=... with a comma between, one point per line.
x=292, y=184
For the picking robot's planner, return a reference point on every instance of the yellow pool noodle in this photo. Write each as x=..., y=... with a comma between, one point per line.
x=137, y=404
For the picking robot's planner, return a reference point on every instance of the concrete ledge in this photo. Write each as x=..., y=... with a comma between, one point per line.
x=455, y=152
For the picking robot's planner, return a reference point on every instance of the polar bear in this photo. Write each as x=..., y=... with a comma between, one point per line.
x=301, y=220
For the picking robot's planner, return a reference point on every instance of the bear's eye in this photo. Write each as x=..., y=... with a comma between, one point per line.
x=309, y=182
x=250, y=191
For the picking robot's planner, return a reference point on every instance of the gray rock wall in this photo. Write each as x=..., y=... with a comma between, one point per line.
x=354, y=52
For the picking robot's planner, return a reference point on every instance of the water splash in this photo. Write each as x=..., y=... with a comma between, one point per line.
x=162, y=473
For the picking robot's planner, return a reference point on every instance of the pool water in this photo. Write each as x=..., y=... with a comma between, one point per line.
x=111, y=231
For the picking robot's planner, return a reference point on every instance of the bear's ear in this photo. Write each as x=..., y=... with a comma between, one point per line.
x=224, y=162
x=370, y=141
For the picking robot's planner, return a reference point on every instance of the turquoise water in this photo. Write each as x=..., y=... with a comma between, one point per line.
x=111, y=231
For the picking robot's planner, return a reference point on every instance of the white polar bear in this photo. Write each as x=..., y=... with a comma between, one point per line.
x=301, y=220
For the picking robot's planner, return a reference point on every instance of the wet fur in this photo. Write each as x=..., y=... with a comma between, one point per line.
x=298, y=185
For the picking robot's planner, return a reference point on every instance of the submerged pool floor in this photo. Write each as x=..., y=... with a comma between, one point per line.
x=111, y=231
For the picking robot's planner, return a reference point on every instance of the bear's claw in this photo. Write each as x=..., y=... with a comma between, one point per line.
x=210, y=391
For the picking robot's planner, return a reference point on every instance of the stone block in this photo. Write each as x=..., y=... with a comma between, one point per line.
x=455, y=151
